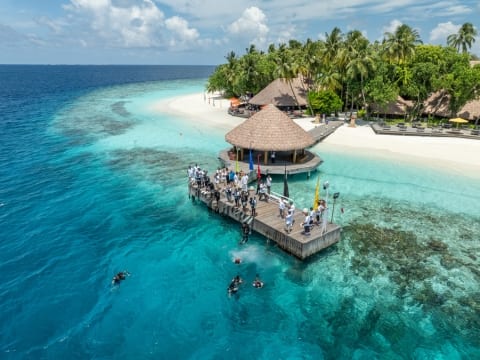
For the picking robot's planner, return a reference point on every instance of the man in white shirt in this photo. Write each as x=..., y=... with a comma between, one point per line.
x=306, y=222
x=281, y=207
x=289, y=222
x=244, y=182
x=269, y=183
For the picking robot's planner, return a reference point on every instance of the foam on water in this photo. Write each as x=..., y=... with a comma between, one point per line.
x=402, y=283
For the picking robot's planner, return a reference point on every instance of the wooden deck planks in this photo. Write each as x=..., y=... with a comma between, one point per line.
x=268, y=223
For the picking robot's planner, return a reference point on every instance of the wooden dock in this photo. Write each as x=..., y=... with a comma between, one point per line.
x=268, y=223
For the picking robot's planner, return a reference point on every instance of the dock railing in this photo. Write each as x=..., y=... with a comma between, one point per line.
x=276, y=197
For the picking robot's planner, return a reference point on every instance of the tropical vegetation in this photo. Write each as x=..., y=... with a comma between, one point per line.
x=357, y=71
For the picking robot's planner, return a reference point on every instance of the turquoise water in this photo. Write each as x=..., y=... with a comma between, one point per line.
x=96, y=184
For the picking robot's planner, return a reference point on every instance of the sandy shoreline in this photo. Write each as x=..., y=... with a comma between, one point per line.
x=460, y=156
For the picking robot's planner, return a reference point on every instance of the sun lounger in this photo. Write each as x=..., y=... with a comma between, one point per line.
x=475, y=132
x=420, y=129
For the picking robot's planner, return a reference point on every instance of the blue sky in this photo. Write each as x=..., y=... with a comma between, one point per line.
x=203, y=31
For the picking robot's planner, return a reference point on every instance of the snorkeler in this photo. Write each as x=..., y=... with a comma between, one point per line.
x=257, y=283
x=234, y=284
x=122, y=275
x=232, y=288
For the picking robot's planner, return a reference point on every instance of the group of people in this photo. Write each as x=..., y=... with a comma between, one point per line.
x=312, y=217
x=237, y=280
x=235, y=186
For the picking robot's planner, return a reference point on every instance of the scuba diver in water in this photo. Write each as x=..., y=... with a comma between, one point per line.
x=234, y=284
x=257, y=283
x=122, y=275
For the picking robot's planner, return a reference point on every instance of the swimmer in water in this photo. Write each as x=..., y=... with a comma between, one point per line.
x=122, y=275
x=237, y=261
x=257, y=283
x=237, y=280
x=232, y=288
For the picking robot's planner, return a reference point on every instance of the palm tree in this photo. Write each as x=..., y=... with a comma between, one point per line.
x=333, y=42
x=464, y=38
x=287, y=67
x=399, y=46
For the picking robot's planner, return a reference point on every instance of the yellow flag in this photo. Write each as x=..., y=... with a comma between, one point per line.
x=317, y=194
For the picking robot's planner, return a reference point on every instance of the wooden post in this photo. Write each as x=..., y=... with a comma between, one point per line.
x=265, y=158
x=294, y=156
x=241, y=154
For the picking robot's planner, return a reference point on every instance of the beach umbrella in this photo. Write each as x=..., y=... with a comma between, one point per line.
x=285, y=184
x=458, y=121
x=250, y=161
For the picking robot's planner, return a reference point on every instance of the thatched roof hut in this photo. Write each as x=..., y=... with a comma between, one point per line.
x=470, y=111
x=398, y=107
x=437, y=104
x=270, y=130
x=279, y=93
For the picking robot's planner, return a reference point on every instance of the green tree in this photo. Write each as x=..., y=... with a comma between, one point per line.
x=380, y=90
x=287, y=68
x=464, y=38
x=324, y=102
x=359, y=61
x=399, y=46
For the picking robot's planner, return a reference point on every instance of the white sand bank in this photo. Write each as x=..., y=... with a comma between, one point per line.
x=450, y=154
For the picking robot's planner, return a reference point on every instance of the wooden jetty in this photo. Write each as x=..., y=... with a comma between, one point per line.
x=268, y=223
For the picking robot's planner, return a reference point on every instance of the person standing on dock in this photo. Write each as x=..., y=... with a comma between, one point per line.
x=228, y=193
x=289, y=222
x=244, y=182
x=272, y=157
x=281, y=207
x=269, y=183
x=236, y=197
x=306, y=222
x=253, y=205
x=244, y=200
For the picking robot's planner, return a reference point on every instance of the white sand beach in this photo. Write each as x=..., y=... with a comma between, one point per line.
x=455, y=155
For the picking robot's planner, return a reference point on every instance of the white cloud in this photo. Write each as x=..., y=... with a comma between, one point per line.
x=252, y=24
x=442, y=30
x=182, y=33
x=133, y=24
x=394, y=24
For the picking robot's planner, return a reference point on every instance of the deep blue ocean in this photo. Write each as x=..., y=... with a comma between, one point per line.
x=93, y=182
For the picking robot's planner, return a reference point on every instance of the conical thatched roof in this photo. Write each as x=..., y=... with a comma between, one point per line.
x=471, y=110
x=397, y=107
x=269, y=130
x=437, y=104
x=279, y=93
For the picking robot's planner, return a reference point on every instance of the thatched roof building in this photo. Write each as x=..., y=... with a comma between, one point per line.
x=279, y=93
x=269, y=130
x=397, y=107
x=470, y=111
x=437, y=104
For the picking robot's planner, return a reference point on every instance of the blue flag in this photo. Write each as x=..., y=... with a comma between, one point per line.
x=250, y=161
